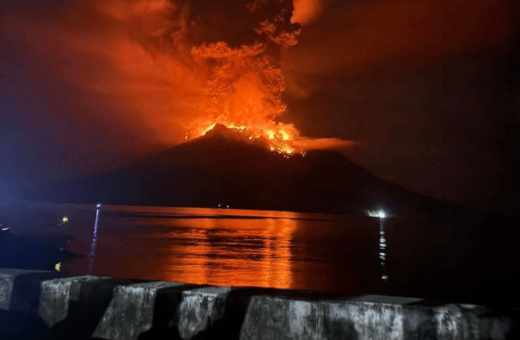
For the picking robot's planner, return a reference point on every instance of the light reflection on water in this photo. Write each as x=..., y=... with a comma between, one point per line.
x=226, y=247
x=208, y=252
x=429, y=255
x=92, y=254
x=382, y=250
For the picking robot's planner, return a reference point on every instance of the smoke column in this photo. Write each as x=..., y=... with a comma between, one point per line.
x=231, y=49
x=161, y=70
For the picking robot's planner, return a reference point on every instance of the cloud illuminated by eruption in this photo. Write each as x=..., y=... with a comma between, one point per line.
x=412, y=34
x=307, y=11
x=172, y=68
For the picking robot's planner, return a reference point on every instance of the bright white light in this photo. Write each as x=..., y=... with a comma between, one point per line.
x=4, y=229
x=381, y=214
x=98, y=205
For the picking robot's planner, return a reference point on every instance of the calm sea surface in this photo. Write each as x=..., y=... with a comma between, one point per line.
x=332, y=253
x=217, y=246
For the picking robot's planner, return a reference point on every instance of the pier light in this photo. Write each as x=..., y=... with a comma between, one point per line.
x=98, y=206
x=381, y=214
x=65, y=219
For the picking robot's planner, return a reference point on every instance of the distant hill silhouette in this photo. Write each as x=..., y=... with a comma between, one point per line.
x=223, y=167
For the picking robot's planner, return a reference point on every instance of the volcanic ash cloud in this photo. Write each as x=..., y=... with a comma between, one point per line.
x=174, y=68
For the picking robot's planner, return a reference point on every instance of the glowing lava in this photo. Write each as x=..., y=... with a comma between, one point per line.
x=278, y=137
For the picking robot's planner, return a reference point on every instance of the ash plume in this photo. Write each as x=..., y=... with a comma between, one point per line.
x=231, y=47
x=164, y=69
x=235, y=45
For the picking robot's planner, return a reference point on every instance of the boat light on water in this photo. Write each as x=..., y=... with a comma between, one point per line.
x=379, y=213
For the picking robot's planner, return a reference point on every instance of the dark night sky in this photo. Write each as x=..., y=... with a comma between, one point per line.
x=429, y=89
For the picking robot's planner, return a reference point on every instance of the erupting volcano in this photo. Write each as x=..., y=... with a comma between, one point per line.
x=238, y=63
x=234, y=151
x=175, y=68
x=244, y=80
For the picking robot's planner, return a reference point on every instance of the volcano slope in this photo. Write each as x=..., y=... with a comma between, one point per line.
x=223, y=167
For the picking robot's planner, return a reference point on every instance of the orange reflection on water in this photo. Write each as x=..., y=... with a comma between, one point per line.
x=243, y=252
x=203, y=245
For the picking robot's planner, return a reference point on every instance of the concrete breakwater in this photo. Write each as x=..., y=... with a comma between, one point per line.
x=42, y=305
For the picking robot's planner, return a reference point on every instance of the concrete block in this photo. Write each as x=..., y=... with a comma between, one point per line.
x=56, y=295
x=133, y=309
x=471, y=322
x=200, y=309
x=366, y=318
x=281, y=318
x=20, y=288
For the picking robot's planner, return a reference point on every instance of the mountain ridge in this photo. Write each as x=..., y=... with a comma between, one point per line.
x=223, y=167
